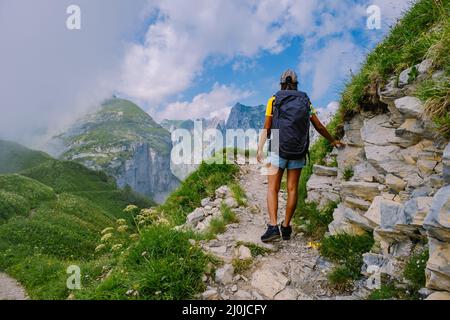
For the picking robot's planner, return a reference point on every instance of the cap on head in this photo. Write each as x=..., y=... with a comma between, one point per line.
x=289, y=76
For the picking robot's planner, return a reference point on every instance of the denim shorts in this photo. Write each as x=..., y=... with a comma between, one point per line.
x=283, y=164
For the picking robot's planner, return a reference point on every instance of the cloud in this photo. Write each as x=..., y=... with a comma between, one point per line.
x=216, y=103
x=49, y=74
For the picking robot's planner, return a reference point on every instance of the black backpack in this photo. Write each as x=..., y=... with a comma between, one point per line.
x=291, y=116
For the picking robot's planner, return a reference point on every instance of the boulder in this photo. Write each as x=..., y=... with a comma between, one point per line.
x=395, y=183
x=364, y=171
x=231, y=202
x=325, y=171
x=446, y=164
x=437, y=222
x=340, y=224
x=224, y=275
x=409, y=107
x=287, y=294
x=411, y=129
x=439, y=295
x=357, y=203
x=243, y=295
x=417, y=209
x=269, y=282
x=363, y=190
x=205, y=202
x=243, y=253
x=426, y=167
x=438, y=265
x=196, y=216
x=355, y=218
x=223, y=192
x=379, y=131
x=210, y=294
x=352, y=130
x=348, y=157
x=386, y=213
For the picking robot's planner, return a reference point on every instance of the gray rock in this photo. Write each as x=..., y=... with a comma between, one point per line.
x=437, y=222
x=378, y=131
x=231, y=202
x=411, y=129
x=410, y=107
x=357, y=203
x=438, y=265
x=386, y=213
x=363, y=190
x=210, y=294
x=422, y=192
x=269, y=282
x=446, y=163
x=243, y=253
x=395, y=183
x=196, y=216
x=404, y=77
x=243, y=295
x=286, y=294
x=364, y=171
x=358, y=219
x=417, y=209
x=223, y=192
x=325, y=171
x=439, y=295
x=224, y=275
x=205, y=202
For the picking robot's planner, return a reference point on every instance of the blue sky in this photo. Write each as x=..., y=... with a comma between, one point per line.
x=177, y=59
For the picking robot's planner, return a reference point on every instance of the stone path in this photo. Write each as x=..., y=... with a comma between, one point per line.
x=292, y=270
x=10, y=289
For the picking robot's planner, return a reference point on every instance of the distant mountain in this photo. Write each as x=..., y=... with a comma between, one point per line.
x=126, y=143
x=246, y=117
x=15, y=157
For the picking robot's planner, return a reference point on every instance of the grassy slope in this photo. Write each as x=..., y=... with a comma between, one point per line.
x=51, y=216
x=162, y=264
x=15, y=158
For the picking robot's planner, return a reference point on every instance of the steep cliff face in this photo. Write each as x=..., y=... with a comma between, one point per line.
x=245, y=117
x=393, y=179
x=125, y=142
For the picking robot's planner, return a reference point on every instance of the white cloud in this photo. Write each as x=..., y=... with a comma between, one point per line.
x=216, y=103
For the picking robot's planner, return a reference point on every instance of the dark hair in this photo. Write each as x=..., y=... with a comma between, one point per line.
x=289, y=86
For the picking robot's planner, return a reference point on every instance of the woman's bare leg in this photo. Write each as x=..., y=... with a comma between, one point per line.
x=272, y=195
x=293, y=177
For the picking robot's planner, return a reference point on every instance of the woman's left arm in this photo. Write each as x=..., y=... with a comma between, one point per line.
x=324, y=132
x=263, y=138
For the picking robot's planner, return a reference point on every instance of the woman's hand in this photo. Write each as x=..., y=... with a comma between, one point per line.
x=260, y=156
x=338, y=144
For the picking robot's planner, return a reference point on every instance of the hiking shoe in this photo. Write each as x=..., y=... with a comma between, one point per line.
x=272, y=233
x=286, y=232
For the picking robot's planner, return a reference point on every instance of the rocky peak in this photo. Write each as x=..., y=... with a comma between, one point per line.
x=124, y=141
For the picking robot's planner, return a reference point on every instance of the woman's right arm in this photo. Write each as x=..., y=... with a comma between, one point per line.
x=263, y=138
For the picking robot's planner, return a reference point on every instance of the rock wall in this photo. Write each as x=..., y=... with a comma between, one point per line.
x=392, y=179
x=148, y=172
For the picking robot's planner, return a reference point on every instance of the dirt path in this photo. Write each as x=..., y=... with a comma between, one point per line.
x=293, y=270
x=10, y=289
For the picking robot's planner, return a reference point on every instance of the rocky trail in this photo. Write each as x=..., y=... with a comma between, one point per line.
x=289, y=270
x=10, y=289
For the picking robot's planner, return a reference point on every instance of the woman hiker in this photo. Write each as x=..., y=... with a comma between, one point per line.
x=288, y=115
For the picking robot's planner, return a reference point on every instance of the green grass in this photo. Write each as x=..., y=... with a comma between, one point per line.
x=314, y=222
x=346, y=251
x=255, y=249
x=413, y=273
x=218, y=225
x=200, y=184
x=52, y=218
x=161, y=266
x=15, y=158
x=239, y=194
x=241, y=265
x=348, y=173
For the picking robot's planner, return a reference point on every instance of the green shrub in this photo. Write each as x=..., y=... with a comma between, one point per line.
x=239, y=194
x=200, y=184
x=255, y=249
x=163, y=265
x=32, y=190
x=241, y=265
x=414, y=270
x=346, y=250
x=11, y=205
x=314, y=222
x=348, y=173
